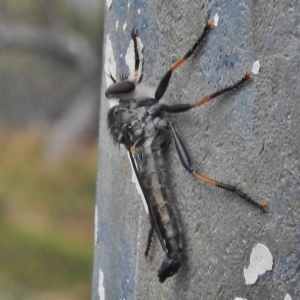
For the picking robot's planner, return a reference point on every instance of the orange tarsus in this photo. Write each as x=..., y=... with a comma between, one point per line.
x=248, y=75
x=205, y=179
x=202, y=101
x=265, y=205
x=148, y=257
x=177, y=63
x=210, y=24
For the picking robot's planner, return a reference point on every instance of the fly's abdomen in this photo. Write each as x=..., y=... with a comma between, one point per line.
x=164, y=215
x=163, y=211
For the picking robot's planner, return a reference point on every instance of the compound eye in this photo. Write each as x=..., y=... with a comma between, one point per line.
x=122, y=87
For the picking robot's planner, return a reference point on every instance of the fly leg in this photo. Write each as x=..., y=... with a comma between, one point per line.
x=134, y=34
x=178, y=108
x=163, y=85
x=186, y=162
x=149, y=241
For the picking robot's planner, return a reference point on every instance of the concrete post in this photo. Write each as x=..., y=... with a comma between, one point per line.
x=248, y=138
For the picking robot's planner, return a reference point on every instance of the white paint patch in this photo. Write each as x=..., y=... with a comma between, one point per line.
x=238, y=298
x=216, y=20
x=108, y=3
x=101, y=290
x=129, y=58
x=96, y=226
x=139, y=248
x=139, y=11
x=110, y=65
x=287, y=297
x=137, y=186
x=124, y=26
x=117, y=24
x=255, y=68
x=261, y=260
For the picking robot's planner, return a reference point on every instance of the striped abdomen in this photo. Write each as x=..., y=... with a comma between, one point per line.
x=150, y=169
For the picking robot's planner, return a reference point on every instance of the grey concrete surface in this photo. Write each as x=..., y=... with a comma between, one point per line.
x=248, y=138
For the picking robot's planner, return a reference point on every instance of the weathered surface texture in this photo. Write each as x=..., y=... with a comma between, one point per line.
x=249, y=138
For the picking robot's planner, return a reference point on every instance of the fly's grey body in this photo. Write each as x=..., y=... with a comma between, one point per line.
x=134, y=124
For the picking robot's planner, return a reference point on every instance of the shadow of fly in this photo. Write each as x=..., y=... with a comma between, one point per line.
x=140, y=123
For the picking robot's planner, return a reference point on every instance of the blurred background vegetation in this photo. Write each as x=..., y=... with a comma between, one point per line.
x=50, y=66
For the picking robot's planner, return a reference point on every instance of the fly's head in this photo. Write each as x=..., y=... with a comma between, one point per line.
x=168, y=268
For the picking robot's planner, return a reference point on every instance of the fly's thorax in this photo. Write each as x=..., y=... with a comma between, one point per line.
x=131, y=115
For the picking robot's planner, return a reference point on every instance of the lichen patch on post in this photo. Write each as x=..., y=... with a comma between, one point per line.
x=110, y=67
x=216, y=20
x=101, y=290
x=96, y=226
x=261, y=261
x=238, y=298
x=255, y=68
x=287, y=297
x=108, y=3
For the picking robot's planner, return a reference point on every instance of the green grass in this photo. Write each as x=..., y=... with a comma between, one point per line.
x=46, y=221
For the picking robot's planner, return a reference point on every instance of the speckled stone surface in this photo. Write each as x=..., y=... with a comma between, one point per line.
x=249, y=138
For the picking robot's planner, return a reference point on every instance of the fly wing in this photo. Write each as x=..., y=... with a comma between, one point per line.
x=153, y=219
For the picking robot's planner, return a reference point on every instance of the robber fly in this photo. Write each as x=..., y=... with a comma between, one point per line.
x=139, y=122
